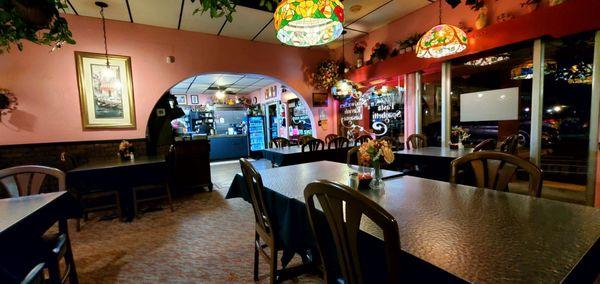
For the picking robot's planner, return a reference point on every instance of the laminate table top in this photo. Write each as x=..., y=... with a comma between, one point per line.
x=477, y=235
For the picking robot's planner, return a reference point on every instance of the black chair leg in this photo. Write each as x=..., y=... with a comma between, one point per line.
x=256, y=242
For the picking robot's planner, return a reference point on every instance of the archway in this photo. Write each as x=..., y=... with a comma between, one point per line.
x=201, y=90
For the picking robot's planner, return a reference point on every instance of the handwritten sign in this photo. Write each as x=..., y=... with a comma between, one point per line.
x=351, y=110
x=387, y=114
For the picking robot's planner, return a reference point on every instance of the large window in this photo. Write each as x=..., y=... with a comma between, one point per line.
x=431, y=105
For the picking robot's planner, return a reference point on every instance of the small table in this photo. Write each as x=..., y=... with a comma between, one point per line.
x=293, y=155
x=434, y=161
x=116, y=174
x=455, y=232
x=24, y=220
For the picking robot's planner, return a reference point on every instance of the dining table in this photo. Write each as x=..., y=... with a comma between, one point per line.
x=292, y=155
x=431, y=162
x=450, y=232
x=22, y=223
x=118, y=174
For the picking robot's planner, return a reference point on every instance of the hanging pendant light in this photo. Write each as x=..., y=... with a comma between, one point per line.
x=345, y=87
x=441, y=40
x=309, y=22
x=108, y=74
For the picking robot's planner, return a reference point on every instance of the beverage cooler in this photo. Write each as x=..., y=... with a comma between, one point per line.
x=256, y=133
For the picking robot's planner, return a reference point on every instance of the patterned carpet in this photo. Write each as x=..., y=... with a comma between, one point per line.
x=206, y=240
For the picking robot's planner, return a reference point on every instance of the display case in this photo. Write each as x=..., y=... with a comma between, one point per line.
x=256, y=133
x=299, y=120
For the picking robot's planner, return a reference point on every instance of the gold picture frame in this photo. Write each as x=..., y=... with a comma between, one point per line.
x=105, y=95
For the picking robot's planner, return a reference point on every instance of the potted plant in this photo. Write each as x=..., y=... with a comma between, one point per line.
x=38, y=21
x=359, y=51
x=379, y=52
x=374, y=154
x=531, y=5
x=461, y=135
x=8, y=102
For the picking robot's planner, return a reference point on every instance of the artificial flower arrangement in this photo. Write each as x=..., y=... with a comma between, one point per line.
x=360, y=47
x=8, y=102
x=460, y=133
x=379, y=52
x=126, y=150
x=327, y=74
x=373, y=154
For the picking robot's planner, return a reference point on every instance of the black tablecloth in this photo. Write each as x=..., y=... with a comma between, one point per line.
x=293, y=155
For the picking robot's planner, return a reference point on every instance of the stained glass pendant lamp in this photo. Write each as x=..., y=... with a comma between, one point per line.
x=345, y=87
x=442, y=40
x=305, y=23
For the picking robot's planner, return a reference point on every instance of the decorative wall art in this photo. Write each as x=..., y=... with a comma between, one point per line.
x=181, y=99
x=320, y=99
x=106, y=93
x=194, y=99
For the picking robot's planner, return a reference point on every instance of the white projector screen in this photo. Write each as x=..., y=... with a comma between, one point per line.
x=500, y=104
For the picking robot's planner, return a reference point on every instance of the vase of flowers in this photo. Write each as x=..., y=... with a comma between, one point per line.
x=359, y=51
x=461, y=134
x=374, y=154
x=126, y=150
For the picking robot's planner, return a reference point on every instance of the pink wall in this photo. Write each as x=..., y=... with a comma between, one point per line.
x=425, y=18
x=46, y=83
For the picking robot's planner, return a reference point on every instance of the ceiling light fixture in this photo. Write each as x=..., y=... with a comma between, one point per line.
x=308, y=22
x=488, y=60
x=345, y=87
x=525, y=71
x=108, y=73
x=220, y=94
x=442, y=40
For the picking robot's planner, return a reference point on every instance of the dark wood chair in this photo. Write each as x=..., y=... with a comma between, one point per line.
x=338, y=142
x=352, y=156
x=92, y=198
x=510, y=144
x=362, y=139
x=343, y=208
x=330, y=137
x=264, y=236
x=280, y=142
x=494, y=170
x=157, y=190
x=31, y=180
x=416, y=141
x=302, y=139
x=485, y=145
x=313, y=145
x=35, y=275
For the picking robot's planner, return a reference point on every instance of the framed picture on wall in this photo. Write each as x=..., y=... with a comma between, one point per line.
x=194, y=99
x=105, y=92
x=181, y=99
x=320, y=99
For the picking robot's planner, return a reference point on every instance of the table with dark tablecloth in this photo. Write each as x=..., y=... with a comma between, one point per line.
x=293, y=155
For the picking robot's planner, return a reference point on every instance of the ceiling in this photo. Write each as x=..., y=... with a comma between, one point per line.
x=231, y=83
x=362, y=16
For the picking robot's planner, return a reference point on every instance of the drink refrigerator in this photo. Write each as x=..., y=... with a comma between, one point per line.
x=256, y=133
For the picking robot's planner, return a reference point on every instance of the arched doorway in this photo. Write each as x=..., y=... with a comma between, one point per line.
x=227, y=90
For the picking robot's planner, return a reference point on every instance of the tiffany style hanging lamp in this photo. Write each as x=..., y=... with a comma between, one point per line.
x=441, y=40
x=309, y=22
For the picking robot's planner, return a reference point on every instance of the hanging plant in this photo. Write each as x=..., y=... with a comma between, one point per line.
x=8, y=102
x=327, y=74
x=220, y=8
x=37, y=21
x=475, y=5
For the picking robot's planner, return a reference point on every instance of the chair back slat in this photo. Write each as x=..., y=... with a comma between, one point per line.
x=352, y=156
x=510, y=144
x=302, y=139
x=338, y=142
x=330, y=137
x=495, y=170
x=344, y=209
x=28, y=180
x=279, y=142
x=362, y=139
x=256, y=189
x=313, y=145
x=416, y=141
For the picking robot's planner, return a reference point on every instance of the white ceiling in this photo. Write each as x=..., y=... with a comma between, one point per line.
x=248, y=23
x=208, y=84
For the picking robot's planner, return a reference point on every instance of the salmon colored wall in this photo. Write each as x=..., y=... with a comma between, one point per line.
x=425, y=18
x=46, y=83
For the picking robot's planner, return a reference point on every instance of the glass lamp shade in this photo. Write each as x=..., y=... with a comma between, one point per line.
x=345, y=88
x=525, y=71
x=309, y=22
x=440, y=41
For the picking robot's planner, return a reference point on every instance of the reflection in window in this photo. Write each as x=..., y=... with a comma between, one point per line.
x=431, y=106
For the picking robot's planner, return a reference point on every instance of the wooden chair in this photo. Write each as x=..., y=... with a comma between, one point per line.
x=280, y=142
x=330, y=137
x=92, y=198
x=416, y=141
x=313, y=145
x=156, y=191
x=35, y=275
x=264, y=235
x=30, y=180
x=338, y=142
x=495, y=170
x=485, y=145
x=510, y=144
x=362, y=139
x=302, y=139
x=352, y=156
x=343, y=208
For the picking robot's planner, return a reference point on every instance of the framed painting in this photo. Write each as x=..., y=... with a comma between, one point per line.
x=181, y=99
x=105, y=94
x=194, y=99
x=320, y=99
